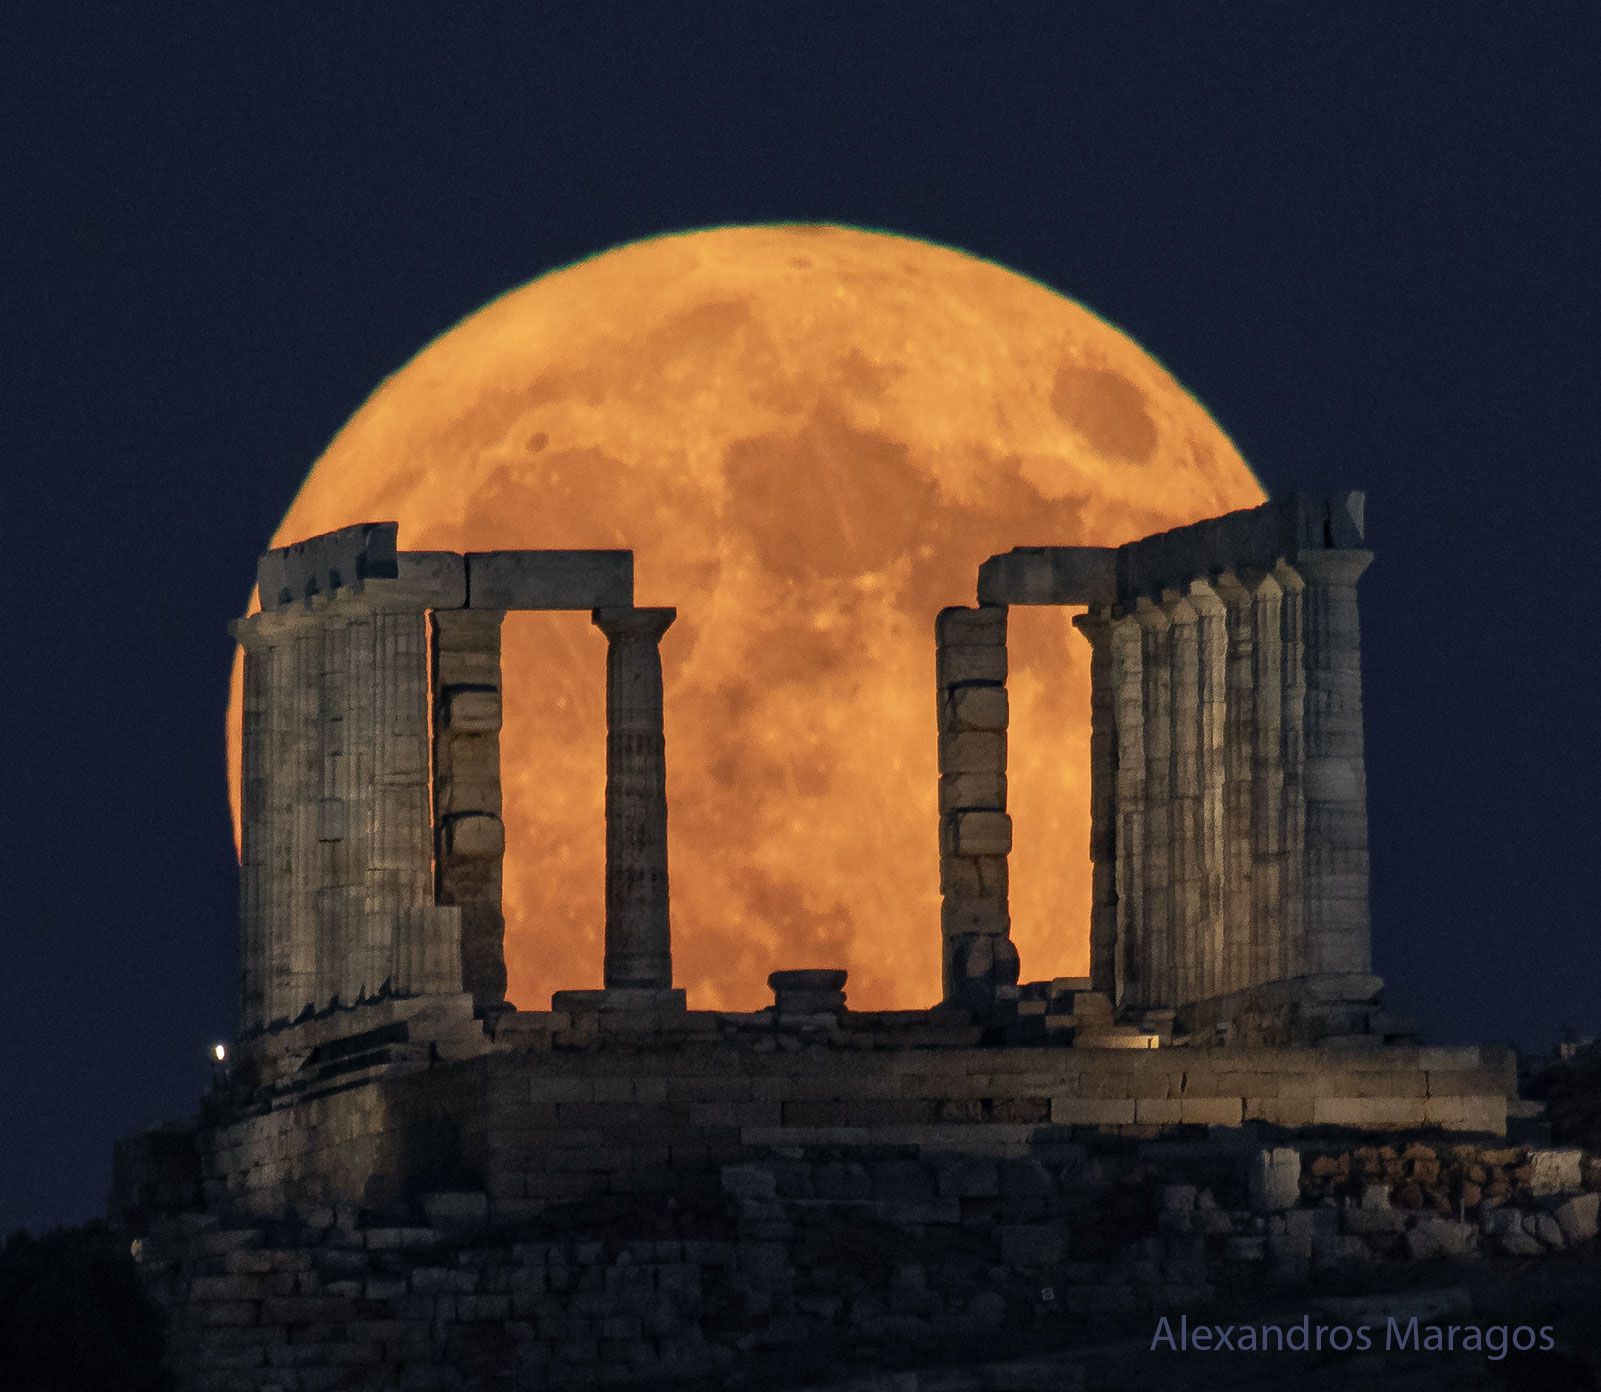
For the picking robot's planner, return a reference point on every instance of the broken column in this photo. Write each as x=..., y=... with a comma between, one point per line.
x=1336, y=887
x=980, y=964
x=638, y=938
x=470, y=836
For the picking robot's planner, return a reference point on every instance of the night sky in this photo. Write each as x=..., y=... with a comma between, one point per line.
x=1364, y=237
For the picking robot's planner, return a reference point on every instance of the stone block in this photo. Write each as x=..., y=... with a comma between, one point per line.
x=958, y=625
x=1431, y=1238
x=1504, y=1228
x=1368, y=1112
x=550, y=579
x=978, y=707
x=474, y=834
x=982, y=833
x=1050, y=575
x=1577, y=1218
x=469, y=712
x=1178, y=1198
x=969, y=790
x=1556, y=1172
x=1273, y=1179
x=973, y=751
x=957, y=664
x=1093, y=1111
x=1210, y=1111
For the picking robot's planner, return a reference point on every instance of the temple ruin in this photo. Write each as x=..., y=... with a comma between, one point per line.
x=385, y=1113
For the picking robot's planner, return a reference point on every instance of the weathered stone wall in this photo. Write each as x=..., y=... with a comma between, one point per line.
x=807, y=1262
x=567, y=1106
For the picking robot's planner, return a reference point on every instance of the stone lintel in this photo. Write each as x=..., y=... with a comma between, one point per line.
x=319, y=565
x=610, y=998
x=550, y=579
x=1049, y=575
x=1252, y=538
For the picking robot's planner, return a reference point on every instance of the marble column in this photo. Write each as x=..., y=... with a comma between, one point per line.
x=1336, y=889
x=1293, y=958
x=1185, y=796
x=399, y=876
x=638, y=938
x=979, y=964
x=1096, y=626
x=470, y=838
x=1239, y=729
x=1267, y=780
x=1128, y=698
x=1156, y=899
x=1211, y=652
x=255, y=751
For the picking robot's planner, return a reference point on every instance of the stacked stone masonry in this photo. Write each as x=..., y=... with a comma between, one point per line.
x=819, y=1258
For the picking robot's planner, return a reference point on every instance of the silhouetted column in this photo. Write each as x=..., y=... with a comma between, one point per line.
x=1293, y=958
x=1128, y=697
x=1097, y=626
x=255, y=993
x=1337, y=928
x=979, y=963
x=470, y=837
x=638, y=937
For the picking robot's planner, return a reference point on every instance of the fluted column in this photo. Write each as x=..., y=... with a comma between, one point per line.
x=1211, y=653
x=254, y=827
x=1096, y=626
x=1267, y=779
x=1128, y=698
x=1337, y=925
x=1184, y=820
x=1156, y=899
x=1293, y=957
x=638, y=935
x=1238, y=781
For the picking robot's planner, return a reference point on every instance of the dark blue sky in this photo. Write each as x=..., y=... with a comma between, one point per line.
x=1364, y=236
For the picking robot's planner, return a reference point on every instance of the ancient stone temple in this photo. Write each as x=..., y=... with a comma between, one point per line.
x=1229, y=798
x=374, y=1178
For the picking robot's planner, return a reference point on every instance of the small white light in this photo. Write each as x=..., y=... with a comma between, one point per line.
x=219, y=1052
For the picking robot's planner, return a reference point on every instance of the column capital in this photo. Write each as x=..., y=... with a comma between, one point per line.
x=1176, y=605
x=1096, y=623
x=624, y=621
x=1332, y=567
x=1241, y=587
x=1150, y=616
x=1204, y=599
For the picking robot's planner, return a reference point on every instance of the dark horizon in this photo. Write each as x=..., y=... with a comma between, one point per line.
x=1363, y=244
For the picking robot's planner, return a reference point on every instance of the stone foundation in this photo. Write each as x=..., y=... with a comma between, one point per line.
x=801, y=1264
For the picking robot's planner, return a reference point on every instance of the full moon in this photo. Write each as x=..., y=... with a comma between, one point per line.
x=810, y=436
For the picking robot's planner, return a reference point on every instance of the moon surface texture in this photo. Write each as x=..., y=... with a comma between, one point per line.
x=810, y=436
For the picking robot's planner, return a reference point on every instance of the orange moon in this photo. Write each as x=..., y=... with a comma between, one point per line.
x=810, y=436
